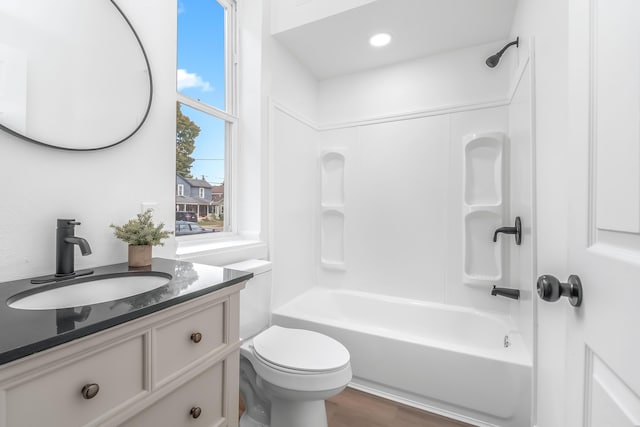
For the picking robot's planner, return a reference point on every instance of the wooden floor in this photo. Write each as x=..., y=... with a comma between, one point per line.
x=353, y=408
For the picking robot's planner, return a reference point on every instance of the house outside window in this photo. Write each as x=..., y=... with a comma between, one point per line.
x=206, y=108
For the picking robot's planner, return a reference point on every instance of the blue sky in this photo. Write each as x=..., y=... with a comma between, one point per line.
x=201, y=76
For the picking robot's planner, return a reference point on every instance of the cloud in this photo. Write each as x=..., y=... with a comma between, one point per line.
x=188, y=80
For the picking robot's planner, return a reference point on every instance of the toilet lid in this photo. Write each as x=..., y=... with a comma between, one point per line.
x=300, y=349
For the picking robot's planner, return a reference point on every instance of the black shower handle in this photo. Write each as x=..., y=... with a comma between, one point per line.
x=517, y=230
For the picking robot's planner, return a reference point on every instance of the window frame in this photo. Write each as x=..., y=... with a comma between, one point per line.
x=180, y=190
x=229, y=115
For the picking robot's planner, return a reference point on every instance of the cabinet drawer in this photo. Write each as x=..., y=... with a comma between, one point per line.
x=55, y=398
x=178, y=408
x=176, y=345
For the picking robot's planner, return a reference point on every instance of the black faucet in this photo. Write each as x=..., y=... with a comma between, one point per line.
x=65, y=242
x=506, y=292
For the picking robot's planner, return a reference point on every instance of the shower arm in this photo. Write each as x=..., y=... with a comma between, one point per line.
x=503, y=50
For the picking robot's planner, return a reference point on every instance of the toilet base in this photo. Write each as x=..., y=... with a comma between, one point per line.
x=247, y=421
x=292, y=414
x=288, y=413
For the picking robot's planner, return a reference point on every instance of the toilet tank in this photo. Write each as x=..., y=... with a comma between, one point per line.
x=255, y=298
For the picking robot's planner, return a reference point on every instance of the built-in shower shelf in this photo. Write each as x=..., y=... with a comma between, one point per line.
x=332, y=213
x=333, y=265
x=483, y=169
x=332, y=176
x=469, y=209
x=329, y=207
x=483, y=207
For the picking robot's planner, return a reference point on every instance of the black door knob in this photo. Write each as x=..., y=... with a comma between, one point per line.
x=551, y=289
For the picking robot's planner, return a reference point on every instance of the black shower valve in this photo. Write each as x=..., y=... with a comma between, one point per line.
x=517, y=230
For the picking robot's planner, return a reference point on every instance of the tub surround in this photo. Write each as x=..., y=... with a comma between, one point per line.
x=30, y=331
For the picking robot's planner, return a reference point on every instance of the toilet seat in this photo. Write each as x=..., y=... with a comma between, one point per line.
x=300, y=368
x=299, y=350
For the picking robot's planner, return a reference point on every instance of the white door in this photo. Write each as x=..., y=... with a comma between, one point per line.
x=603, y=335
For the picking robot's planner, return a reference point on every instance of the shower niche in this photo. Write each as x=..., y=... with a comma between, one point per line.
x=332, y=198
x=483, y=207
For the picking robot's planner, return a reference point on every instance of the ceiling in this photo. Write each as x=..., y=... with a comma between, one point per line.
x=339, y=44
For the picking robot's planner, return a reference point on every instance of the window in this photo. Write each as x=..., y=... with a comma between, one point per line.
x=180, y=189
x=206, y=113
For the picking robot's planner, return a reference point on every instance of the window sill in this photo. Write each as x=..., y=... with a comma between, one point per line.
x=221, y=250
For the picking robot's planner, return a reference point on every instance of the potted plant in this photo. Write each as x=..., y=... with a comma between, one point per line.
x=141, y=234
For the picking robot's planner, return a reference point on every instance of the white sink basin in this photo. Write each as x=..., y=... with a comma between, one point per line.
x=89, y=291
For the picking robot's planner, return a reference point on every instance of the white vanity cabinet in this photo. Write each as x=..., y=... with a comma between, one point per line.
x=175, y=367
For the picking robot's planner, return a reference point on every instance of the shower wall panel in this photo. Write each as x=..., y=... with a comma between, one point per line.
x=395, y=216
x=294, y=205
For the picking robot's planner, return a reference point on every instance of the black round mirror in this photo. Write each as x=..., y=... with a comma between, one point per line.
x=74, y=74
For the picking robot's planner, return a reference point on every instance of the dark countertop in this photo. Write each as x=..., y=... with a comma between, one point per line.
x=25, y=332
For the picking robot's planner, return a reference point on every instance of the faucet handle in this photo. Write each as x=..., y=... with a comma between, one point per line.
x=67, y=223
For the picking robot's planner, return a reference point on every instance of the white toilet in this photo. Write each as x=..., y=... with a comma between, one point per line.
x=285, y=374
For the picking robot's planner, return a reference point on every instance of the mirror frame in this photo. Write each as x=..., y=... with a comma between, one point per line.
x=144, y=118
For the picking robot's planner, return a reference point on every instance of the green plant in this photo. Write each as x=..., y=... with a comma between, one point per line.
x=141, y=231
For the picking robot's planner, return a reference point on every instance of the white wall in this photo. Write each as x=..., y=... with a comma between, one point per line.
x=435, y=82
x=290, y=84
x=97, y=188
x=547, y=21
x=250, y=177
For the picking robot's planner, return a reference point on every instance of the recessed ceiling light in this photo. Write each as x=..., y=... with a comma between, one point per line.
x=381, y=39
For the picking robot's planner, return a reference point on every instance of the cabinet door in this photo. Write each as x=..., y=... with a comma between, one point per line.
x=198, y=403
x=55, y=398
x=185, y=340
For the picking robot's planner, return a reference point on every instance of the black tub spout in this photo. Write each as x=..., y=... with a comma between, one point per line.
x=506, y=292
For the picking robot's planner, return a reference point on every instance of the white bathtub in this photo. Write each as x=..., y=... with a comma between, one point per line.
x=446, y=359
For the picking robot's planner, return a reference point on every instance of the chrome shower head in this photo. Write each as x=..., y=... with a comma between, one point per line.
x=493, y=60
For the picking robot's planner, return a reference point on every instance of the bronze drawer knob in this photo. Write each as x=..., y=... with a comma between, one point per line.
x=89, y=391
x=196, y=411
x=196, y=337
